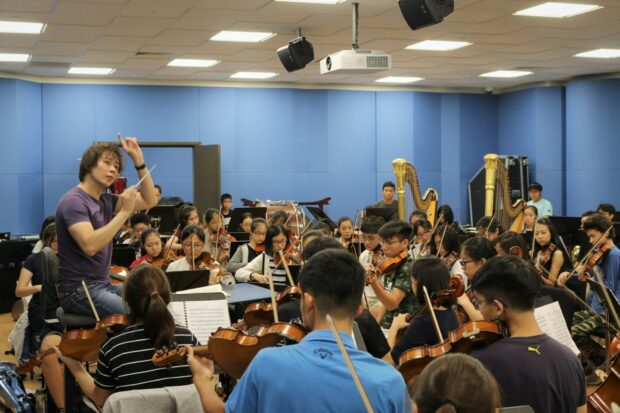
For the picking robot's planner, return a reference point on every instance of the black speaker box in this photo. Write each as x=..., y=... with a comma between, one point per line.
x=297, y=54
x=422, y=13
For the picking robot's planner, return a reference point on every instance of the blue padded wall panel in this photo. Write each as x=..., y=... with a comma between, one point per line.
x=8, y=129
x=151, y=113
x=218, y=125
x=54, y=186
x=394, y=129
x=28, y=128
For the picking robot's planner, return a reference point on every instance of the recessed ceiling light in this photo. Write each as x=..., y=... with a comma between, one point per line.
x=21, y=27
x=314, y=1
x=506, y=73
x=14, y=57
x=399, y=79
x=100, y=71
x=600, y=53
x=253, y=75
x=193, y=62
x=442, y=45
x=254, y=37
x=557, y=10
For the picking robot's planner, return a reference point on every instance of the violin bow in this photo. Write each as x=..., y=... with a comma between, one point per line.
x=217, y=236
x=288, y=271
x=441, y=240
x=533, y=240
x=433, y=316
x=167, y=250
x=274, y=303
x=347, y=360
x=587, y=256
x=610, y=307
x=566, y=250
x=486, y=231
x=90, y=301
x=193, y=254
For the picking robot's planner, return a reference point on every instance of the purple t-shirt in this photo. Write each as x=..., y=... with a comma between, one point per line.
x=78, y=206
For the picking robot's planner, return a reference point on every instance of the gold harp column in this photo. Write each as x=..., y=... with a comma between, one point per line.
x=490, y=166
x=400, y=172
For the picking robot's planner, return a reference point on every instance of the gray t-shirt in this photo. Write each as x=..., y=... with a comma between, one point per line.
x=78, y=206
x=536, y=371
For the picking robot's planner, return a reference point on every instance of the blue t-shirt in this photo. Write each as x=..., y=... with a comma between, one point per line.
x=543, y=206
x=610, y=266
x=312, y=377
x=74, y=265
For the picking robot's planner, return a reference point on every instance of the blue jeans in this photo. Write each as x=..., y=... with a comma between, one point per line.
x=106, y=297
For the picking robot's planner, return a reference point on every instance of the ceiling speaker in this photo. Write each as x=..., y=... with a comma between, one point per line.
x=297, y=54
x=422, y=13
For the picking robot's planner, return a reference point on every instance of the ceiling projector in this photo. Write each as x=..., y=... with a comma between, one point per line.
x=356, y=62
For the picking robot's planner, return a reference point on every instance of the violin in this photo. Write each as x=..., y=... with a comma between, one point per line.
x=83, y=344
x=164, y=259
x=601, y=399
x=118, y=274
x=259, y=248
x=450, y=259
x=262, y=313
x=388, y=265
x=462, y=340
x=233, y=350
x=594, y=258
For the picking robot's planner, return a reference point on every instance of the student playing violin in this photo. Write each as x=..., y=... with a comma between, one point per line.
x=426, y=272
x=395, y=292
x=186, y=215
x=372, y=256
x=138, y=222
x=48, y=334
x=247, y=252
x=266, y=263
x=125, y=359
x=530, y=215
x=246, y=222
x=345, y=234
x=445, y=244
x=474, y=253
x=331, y=282
x=218, y=243
x=422, y=230
x=150, y=240
x=548, y=256
x=530, y=367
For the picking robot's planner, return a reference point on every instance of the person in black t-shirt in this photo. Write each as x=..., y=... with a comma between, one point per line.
x=530, y=367
x=429, y=272
x=125, y=360
x=46, y=334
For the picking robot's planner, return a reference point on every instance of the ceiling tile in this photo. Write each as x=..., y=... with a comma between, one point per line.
x=137, y=26
x=119, y=43
x=91, y=14
x=172, y=37
x=157, y=8
x=71, y=33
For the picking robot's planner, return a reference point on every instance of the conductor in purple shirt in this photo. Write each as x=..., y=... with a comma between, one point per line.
x=88, y=217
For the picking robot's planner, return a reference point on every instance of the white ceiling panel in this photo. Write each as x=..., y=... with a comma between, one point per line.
x=111, y=32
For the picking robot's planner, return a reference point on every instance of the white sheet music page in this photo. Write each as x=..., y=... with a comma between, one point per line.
x=201, y=317
x=551, y=321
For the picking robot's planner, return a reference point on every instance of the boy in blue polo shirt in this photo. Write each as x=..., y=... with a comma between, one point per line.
x=312, y=376
x=544, y=207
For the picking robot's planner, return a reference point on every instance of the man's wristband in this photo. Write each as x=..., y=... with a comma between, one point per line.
x=140, y=167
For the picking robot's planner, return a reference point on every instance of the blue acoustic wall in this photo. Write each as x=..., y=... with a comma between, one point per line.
x=592, y=144
x=531, y=123
x=21, y=181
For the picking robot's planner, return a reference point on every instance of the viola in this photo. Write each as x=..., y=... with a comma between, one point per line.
x=262, y=313
x=594, y=258
x=233, y=350
x=83, y=344
x=462, y=340
x=388, y=265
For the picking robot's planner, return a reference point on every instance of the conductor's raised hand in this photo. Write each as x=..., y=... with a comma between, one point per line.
x=133, y=150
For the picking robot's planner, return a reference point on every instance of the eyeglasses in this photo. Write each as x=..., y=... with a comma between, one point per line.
x=281, y=242
x=197, y=245
x=465, y=262
x=382, y=242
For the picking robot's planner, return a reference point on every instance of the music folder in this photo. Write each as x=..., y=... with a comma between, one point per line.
x=185, y=280
x=201, y=313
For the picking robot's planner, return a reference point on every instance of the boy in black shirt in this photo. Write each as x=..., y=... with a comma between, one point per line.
x=530, y=367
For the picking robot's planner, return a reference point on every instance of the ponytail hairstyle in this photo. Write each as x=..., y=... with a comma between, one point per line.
x=446, y=385
x=147, y=293
x=48, y=235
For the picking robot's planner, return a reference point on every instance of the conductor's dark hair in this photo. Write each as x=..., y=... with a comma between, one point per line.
x=335, y=278
x=510, y=280
x=94, y=152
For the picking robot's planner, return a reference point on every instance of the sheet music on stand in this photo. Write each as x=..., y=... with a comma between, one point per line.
x=201, y=313
x=551, y=321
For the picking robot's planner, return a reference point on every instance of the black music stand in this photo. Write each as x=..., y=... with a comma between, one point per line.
x=388, y=214
x=123, y=256
x=569, y=228
x=235, y=217
x=321, y=216
x=185, y=280
x=167, y=217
